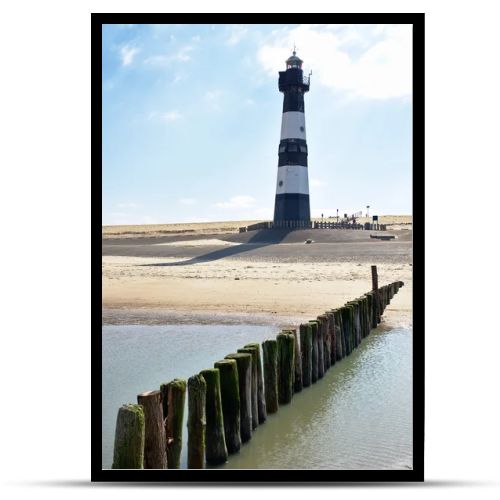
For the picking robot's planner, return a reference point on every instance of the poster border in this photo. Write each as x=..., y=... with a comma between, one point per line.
x=262, y=476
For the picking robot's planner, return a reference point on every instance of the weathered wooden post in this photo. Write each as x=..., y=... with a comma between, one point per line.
x=339, y=334
x=230, y=395
x=298, y=383
x=297, y=377
x=376, y=293
x=357, y=305
x=286, y=367
x=244, y=363
x=321, y=350
x=261, y=400
x=289, y=332
x=155, y=456
x=306, y=349
x=129, y=438
x=333, y=337
x=216, y=450
x=254, y=386
x=314, y=337
x=372, y=300
x=361, y=319
x=197, y=393
x=270, y=358
x=173, y=401
x=352, y=326
x=343, y=335
x=324, y=324
x=346, y=323
x=355, y=319
x=374, y=278
x=368, y=315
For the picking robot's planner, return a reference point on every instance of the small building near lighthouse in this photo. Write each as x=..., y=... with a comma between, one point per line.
x=292, y=186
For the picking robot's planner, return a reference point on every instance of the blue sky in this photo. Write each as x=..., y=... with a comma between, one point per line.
x=192, y=114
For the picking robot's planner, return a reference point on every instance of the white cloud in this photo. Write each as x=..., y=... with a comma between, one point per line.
x=127, y=205
x=168, y=116
x=182, y=55
x=367, y=61
x=127, y=54
x=212, y=99
x=236, y=33
x=171, y=116
x=187, y=201
x=240, y=201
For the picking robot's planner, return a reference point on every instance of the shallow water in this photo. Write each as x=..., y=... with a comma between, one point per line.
x=359, y=416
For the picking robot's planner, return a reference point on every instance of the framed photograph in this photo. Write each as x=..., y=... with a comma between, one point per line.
x=259, y=182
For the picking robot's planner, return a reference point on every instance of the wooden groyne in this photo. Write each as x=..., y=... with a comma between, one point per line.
x=228, y=402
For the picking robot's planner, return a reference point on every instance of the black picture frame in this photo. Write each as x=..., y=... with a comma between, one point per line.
x=255, y=477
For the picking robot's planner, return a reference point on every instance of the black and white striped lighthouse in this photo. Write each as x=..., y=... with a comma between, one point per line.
x=292, y=186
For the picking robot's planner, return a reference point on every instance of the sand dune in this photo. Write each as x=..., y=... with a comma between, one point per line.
x=151, y=230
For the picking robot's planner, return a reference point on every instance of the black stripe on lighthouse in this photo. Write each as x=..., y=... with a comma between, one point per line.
x=293, y=100
x=292, y=152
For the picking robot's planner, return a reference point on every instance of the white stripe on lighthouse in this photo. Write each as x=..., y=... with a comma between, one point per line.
x=293, y=125
x=292, y=179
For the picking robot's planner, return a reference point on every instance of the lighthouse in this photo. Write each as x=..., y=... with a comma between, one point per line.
x=292, y=186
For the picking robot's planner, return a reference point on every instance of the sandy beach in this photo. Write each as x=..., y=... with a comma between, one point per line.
x=207, y=273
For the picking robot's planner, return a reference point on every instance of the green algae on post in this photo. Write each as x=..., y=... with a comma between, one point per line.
x=306, y=350
x=230, y=395
x=270, y=358
x=173, y=401
x=244, y=363
x=197, y=392
x=315, y=350
x=297, y=379
x=129, y=438
x=215, y=440
x=339, y=335
x=286, y=367
x=333, y=337
x=323, y=326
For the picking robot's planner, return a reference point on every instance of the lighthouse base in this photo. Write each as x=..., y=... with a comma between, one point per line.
x=292, y=207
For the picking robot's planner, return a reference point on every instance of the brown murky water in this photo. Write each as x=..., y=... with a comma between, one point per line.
x=359, y=416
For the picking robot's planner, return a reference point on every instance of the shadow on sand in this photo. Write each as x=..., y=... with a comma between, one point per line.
x=261, y=238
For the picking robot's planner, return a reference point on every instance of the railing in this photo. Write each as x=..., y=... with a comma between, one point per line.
x=303, y=224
